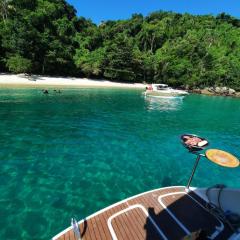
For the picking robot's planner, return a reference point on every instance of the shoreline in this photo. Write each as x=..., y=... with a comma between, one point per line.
x=21, y=80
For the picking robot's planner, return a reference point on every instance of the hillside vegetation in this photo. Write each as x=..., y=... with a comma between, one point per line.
x=47, y=37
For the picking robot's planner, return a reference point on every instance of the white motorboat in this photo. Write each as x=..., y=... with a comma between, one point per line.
x=163, y=90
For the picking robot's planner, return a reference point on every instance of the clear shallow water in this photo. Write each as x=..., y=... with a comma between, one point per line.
x=74, y=153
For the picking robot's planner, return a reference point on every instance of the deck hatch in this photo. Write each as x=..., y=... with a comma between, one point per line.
x=134, y=222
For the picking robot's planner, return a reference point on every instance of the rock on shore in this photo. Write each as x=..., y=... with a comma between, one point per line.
x=220, y=91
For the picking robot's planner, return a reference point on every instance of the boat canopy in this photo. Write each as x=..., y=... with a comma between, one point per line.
x=160, y=86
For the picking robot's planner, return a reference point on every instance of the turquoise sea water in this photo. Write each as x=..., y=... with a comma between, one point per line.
x=71, y=154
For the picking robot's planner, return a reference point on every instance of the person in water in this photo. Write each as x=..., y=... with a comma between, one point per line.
x=45, y=91
x=57, y=91
x=192, y=141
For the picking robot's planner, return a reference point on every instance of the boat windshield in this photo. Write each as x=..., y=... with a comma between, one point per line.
x=162, y=87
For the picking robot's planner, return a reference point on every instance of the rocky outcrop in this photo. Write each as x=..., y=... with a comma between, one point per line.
x=237, y=94
x=207, y=91
x=223, y=90
x=220, y=91
x=195, y=90
x=231, y=91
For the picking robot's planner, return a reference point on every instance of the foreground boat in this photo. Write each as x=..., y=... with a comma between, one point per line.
x=175, y=212
x=163, y=90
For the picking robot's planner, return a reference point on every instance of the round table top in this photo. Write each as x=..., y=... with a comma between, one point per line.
x=222, y=158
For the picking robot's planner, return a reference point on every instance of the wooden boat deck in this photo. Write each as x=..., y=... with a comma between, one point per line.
x=167, y=213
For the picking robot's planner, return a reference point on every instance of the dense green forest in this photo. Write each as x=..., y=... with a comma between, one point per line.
x=47, y=37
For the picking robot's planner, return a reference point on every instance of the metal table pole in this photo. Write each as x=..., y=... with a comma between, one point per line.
x=194, y=169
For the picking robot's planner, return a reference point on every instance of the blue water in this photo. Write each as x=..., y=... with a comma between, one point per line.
x=73, y=153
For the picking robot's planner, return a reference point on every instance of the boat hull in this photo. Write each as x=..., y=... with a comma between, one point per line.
x=165, y=93
x=165, y=213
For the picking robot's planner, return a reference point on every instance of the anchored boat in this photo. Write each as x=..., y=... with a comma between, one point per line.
x=174, y=212
x=163, y=90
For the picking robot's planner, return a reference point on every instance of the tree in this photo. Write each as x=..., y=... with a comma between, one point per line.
x=118, y=61
x=18, y=64
x=5, y=6
x=90, y=63
x=42, y=31
x=178, y=49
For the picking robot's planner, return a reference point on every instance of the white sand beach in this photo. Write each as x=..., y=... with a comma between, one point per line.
x=37, y=80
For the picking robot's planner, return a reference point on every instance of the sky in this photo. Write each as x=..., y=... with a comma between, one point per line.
x=102, y=10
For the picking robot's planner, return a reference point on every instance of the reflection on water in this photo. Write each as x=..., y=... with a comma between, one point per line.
x=163, y=103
